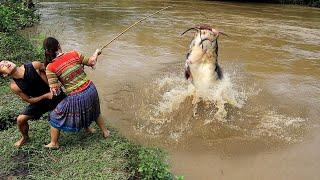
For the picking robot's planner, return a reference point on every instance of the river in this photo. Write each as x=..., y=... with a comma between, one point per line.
x=271, y=65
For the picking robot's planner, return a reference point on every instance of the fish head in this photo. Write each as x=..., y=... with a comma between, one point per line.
x=203, y=48
x=203, y=44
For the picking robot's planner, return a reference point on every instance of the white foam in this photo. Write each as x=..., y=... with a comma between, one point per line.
x=220, y=93
x=171, y=116
x=278, y=126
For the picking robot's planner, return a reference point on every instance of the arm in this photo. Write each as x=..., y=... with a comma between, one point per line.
x=39, y=67
x=53, y=81
x=90, y=61
x=26, y=98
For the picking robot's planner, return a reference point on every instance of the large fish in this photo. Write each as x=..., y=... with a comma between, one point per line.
x=201, y=67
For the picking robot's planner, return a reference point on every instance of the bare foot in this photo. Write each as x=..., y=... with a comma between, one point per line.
x=90, y=130
x=21, y=142
x=52, y=146
x=106, y=134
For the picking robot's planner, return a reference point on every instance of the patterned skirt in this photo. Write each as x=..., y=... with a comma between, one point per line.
x=76, y=111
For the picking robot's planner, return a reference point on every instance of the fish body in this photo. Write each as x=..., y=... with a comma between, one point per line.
x=202, y=69
x=201, y=66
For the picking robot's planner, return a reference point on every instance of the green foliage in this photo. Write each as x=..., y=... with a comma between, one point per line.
x=16, y=15
x=314, y=3
x=15, y=47
x=3, y=82
x=151, y=164
x=145, y=163
x=179, y=178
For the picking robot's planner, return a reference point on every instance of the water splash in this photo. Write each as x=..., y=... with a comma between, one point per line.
x=278, y=126
x=174, y=112
x=219, y=94
x=222, y=112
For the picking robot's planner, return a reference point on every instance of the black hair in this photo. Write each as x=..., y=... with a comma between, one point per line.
x=51, y=46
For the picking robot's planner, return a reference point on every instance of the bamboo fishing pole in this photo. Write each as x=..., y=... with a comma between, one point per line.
x=120, y=34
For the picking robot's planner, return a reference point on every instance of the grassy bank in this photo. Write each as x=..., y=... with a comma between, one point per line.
x=81, y=156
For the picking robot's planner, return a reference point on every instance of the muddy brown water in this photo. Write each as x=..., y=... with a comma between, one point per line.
x=271, y=62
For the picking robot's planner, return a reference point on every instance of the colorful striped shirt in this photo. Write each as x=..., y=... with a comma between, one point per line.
x=69, y=70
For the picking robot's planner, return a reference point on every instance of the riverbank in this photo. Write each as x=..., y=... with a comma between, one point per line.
x=311, y=3
x=81, y=155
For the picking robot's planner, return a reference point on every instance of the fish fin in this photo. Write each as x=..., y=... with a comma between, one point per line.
x=187, y=73
x=219, y=71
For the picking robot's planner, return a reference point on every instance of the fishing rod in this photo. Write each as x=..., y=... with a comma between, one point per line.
x=120, y=34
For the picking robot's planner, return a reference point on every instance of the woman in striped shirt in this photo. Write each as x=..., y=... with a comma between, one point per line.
x=81, y=107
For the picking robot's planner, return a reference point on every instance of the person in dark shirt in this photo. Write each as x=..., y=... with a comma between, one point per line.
x=29, y=81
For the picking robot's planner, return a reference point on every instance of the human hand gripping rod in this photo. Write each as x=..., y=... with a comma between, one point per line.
x=120, y=34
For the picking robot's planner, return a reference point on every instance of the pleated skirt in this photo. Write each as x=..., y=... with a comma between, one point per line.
x=76, y=111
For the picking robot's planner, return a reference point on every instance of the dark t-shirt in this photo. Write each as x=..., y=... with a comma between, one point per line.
x=33, y=85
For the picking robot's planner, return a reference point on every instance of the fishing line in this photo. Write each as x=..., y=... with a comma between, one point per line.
x=121, y=33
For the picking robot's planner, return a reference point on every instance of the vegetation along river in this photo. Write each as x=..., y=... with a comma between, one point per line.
x=271, y=63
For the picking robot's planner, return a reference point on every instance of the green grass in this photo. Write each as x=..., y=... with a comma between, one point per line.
x=81, y=156
x=10, y=106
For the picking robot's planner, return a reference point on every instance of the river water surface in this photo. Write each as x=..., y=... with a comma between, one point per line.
x=271, y=65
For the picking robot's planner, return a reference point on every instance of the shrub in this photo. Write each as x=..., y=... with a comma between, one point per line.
x=152, y=164
x=16, y=15
x=15, y=47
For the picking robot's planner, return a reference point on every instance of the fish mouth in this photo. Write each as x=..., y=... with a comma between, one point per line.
x=204, y=27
